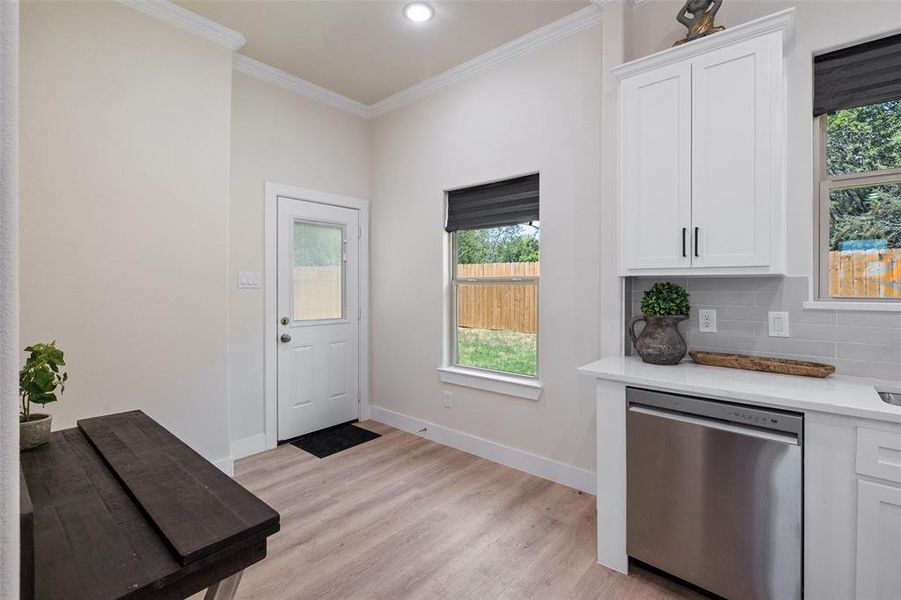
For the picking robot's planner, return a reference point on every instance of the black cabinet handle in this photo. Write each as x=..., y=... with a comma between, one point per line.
x=683, y=243
x=696, y=241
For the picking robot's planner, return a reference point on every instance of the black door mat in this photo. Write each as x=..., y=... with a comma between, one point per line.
x=332, y=440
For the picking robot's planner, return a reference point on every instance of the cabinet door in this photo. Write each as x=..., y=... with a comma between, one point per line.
x=656, y=169
x=736, y=118
x=878, y=541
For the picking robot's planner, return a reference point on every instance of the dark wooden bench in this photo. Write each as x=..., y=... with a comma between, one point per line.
x=121, y=508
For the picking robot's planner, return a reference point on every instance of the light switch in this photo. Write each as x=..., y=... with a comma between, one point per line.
x=778, y=324
x=248, y=280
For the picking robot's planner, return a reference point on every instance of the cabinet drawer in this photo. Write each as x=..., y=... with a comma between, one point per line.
x=879, y=454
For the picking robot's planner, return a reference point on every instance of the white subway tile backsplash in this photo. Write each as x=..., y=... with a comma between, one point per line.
x=871, y=352
x=731, y=284
x=780, y=300
x=870, y=319
x=645, y=283
x=746, y=328
x=859, y=335
x=761, y=345
x=736, y=313
x=867, y=369
x=812, y=317
x=865, y=344
x=721, y=298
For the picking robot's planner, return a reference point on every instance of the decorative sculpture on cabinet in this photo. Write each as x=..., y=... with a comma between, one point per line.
x=697, y=16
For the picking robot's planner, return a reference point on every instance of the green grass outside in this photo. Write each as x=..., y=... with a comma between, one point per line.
x=508, y=351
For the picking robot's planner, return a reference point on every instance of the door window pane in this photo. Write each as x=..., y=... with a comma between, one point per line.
x=497, y=326
x=318, y=271
x=865, y=241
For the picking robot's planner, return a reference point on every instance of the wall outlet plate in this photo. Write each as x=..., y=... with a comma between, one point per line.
x=448, y=402
x=778, y=323
x=707, y=320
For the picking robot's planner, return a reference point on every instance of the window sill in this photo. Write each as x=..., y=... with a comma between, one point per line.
x=859, y=306
x=509, y=385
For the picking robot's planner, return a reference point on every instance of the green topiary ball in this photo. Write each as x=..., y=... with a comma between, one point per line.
x=665, y=299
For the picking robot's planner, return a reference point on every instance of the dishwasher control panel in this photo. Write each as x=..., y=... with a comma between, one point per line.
x=740, y=414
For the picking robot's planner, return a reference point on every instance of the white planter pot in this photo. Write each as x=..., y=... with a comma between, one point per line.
x=35, y=431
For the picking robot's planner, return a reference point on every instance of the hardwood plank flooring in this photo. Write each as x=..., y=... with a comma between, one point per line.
x=402, y=517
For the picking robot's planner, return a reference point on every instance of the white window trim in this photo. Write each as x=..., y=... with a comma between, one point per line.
x=875, y=306
x=820, y=298
x=491, y=381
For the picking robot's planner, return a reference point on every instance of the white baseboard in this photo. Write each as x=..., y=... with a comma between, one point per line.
x=226, y=465
x=568, y=475
x=248, y=446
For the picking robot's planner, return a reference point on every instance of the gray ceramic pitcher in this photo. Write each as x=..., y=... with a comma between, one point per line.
x=660, y=342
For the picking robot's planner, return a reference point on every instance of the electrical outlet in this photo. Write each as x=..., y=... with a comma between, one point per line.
x=778, y=324
x=448, y=403
x=707, y=320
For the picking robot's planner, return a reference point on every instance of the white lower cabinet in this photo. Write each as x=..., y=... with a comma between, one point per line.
x=852, y=509
x=878, y=573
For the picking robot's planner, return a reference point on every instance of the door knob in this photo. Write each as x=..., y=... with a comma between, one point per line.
x=285, y=338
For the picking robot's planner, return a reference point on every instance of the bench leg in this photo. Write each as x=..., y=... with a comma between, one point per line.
x=225, y=589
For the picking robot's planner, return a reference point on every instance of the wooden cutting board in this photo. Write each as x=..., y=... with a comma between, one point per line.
x=762, y=363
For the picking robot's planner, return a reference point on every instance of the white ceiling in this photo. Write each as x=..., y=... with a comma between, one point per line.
x=367, y=50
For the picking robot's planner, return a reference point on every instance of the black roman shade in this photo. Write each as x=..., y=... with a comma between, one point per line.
x=864, y=74
x=493, y=204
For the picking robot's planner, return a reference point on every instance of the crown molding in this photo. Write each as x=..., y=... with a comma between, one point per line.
x=269, y=74
x=189, y=21
x=782, y=21
x=550, y=33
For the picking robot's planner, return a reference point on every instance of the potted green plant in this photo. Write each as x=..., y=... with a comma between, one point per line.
x=664, y=306
x=38, y=383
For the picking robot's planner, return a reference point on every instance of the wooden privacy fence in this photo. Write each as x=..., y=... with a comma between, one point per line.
x=505, y=306
x=865, y=273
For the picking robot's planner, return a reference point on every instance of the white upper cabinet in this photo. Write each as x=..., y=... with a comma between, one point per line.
x=657, y=164
x=702, y=138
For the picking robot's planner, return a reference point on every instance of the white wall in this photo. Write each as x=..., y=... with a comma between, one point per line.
x=124, y=219
x=539, y=112
x=611, y=292
x=285, y=138
x=9, y=300
x=820, y=25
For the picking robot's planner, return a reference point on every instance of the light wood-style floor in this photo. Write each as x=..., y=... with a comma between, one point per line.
x=402, y=517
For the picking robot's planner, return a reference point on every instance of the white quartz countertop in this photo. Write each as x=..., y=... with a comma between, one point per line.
x=837, y=394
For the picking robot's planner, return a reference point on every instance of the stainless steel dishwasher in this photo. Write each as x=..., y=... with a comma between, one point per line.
x=714, y=493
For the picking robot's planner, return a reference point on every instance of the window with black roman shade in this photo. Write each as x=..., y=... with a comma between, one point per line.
x=493, y=204
x=868, y=73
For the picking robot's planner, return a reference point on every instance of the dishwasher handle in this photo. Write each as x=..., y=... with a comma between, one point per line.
x=756, y=432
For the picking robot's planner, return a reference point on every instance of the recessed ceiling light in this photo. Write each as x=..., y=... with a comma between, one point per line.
x=418, y=12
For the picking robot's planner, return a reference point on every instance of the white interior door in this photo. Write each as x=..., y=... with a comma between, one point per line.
x=318, y=308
